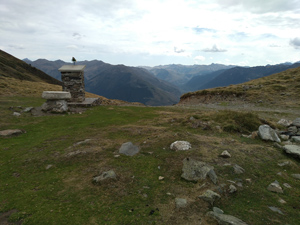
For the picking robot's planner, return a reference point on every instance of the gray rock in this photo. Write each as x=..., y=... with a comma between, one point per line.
x=274, y=209
x=225, y=154
x=284, y=137
x=213, y=176
x=48, y=166
x=16, y=114
x=293, y=129
x=232, y=189
x=275, y=187
x=265, y=132
x=105, y=176
x=218, y=210
x=180, y=146
x=194, y=170
x=287, y=185
x=296, y=176
x=129, y=149
x=238, y=169
x=56, y=95
x=296, y=122
x=284, y=122
x=224, y=219
x=293, y=150
x=180, y=202
x=28, y=109
x=55, y=106
x=285, y=163
x=11, y=132
x=296, y=139
x=210, y=196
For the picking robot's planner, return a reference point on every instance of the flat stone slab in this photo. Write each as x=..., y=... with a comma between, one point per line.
x=5, y=133
x=86, y=103
x=293, y=150
x=71, y=68
x=56, y=95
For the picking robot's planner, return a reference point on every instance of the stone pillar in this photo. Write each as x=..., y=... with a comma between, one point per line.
x=72, y=77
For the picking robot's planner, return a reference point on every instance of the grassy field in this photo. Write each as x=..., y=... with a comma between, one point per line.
x=46, y=179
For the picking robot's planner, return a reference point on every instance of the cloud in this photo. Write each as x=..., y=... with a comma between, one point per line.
x=72, y=47
x=199, y=58
x=77, y=35
x=295, y=42
x=177, y=50
x=214, y=48
x=203, y=30
x=19, y=47
x=274, y=46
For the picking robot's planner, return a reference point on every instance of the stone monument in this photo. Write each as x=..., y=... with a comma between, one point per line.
x=72, y=77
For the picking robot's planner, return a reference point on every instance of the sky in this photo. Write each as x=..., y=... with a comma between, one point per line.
x=153, y=32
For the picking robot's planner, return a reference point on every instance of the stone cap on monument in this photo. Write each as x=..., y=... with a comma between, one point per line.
x=56, y=95
x=71, y=68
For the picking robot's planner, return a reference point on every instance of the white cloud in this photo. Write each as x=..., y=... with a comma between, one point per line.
x=199, y=58
x=295, y=42
x=214, y=48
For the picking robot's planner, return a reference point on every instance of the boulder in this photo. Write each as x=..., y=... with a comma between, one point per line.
x=275, y=187
x=210, y=196
x=180, y=146
x=224, y=219
x=296, y=139
x=5, y=133
x=194, y=170
x=129, y=149
x=108, y=175
x=284, y=122
x=265, y=132
x=296, y=122
x=59, y=106
x=293, y=150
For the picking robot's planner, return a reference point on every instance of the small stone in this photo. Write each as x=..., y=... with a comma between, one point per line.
x=249, y=180
x=210, y=196
x=275, y=187
x=225, y=219
x=161, y=178
x=105, y=176
x=28, y=109
x=238, y=169
x=293, y=150
x=6, y=133
x=284, y=137
x=180, y=146
x=116, y=156
x=274, y=209
x=295, y=139
x=48, y=166
x=16, y=114
x=213, y=176
x=168, y=193
x=296, y=176
x=287, y=185
x=284, y=163
x=296, y=122
x=192, y=118
x=225, y=154
x=280, y=200
x=232, y=189
x=284, y=122
x=129, y=149
x=180, y=202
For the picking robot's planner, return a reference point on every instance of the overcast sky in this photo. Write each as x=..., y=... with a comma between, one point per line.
x=153, y=32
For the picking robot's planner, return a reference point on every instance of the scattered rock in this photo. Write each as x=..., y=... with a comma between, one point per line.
x=284, y=137
x=70, y=154
x=297, y=176
x=180, y=202
x=58, y=106
x=284, y=163
x=225, y=154
x=287, y=185
x=48, y=166
x=210, y=196
x=292, y=130
x=161, y=178
x=180, y=146
x=218, y=210
x=196, y=170
x=265, y=132
x=28, y=109
x=5, y=133
x=232, y=189
x=293, y=150
x=129, y=149
x=82, y=142
x=296, y=139
x=108, y=175
x=275, y=187
x=284, y=122
x=238, y=169
x=274, y=209
x=296, y=122
x=16, y=114
x=280, y=200
x=224, y=219
x=249, y=180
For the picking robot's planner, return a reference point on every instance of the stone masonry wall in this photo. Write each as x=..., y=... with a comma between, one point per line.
x=73, y=82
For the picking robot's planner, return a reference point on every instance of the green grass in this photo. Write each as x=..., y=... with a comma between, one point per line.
x=65, y=194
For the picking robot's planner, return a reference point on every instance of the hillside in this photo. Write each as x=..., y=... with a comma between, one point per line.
x=278, y=89
x=130, y=84
x=133, y=84
x=12, y=67
x=239, y=75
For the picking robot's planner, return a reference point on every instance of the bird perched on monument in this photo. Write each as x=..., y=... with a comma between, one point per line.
x=73, y=60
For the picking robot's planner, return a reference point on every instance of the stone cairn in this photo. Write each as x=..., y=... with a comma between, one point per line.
x=72, y=77
x=56, y=101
